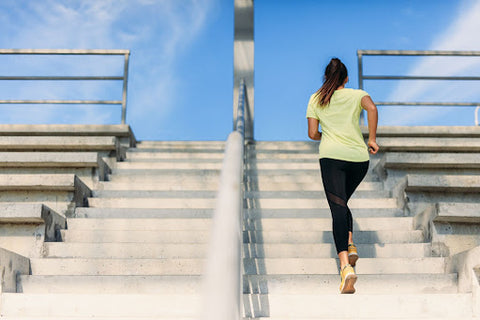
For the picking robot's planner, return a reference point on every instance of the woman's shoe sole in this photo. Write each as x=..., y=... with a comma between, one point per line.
x=352, y=259
x=349, y=283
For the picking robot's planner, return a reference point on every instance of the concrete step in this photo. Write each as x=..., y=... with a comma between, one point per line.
x=116, y=266
x=122, y=213
x=158, y=194
x=37, y=182
x=313, y=224
x=284, y=145
x=111, y=284
x=383, y=236
x=327, y=250
x=293, y=176
x=304, y=194
x=174, y=165
x=139, y=224
x=145, y=213
x=267, y=224
x=154, y=183
x=121, y=236
x=385, y=284
x=360, y=306
x=151, y=184
x=196, y=318
x=212, y=194
x=192, y=203
x=117, y=130
x=167, y=172
x=276, y=266
x=60, y=143
x=125, y=250
x=279, y=203
x=425, y=131
x=50, y=159
x=366, y=306
x=210, y=203
x=137, y=250
x=257, y=284
x=256, y=213
x=443, y=183
x=202, y=236
x=457, y=212
x=31, y=214
x=180, y=143
x=409, y=160
x=100, y=305
x=215, y=164
x=135, y=154
x=271, y=266
x=463, y=144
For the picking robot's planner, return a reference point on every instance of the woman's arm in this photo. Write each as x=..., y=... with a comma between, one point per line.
x=313, y=132
x=372, y=115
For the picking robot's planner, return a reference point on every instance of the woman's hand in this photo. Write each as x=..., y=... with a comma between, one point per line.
x=372, y=147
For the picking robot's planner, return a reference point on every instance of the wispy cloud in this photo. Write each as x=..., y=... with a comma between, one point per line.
x=157, y=32
x=462, y=34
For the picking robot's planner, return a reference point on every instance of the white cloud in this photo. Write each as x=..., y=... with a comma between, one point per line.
x=462, y=34
x=157, y=32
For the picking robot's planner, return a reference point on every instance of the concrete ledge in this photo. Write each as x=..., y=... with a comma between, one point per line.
x=408, y=160
x=429, y=144
x=122, y=131
x=37, y=182
x=12, y=265
x=458, y=212
x=465, y=263
x=32, y=213
x=49, y=159
x=443, y=183
x=62, y=143
x=55, y=160
x=45, y=184
x=425, y=131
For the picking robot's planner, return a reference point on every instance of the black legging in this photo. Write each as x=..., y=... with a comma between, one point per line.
x=340, y=179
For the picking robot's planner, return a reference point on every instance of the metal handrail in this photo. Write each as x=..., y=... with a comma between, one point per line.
x=222, y=298
x=362, y=77
x=124, y=77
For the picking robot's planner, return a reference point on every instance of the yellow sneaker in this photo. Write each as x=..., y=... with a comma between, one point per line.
x=352, y=254
x=348, y=279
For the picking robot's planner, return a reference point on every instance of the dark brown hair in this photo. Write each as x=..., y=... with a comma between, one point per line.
x=335, y=75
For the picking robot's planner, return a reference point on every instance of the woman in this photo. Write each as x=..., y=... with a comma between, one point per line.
x=344, y=156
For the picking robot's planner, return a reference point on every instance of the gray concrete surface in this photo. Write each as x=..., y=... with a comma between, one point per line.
x=12, y=265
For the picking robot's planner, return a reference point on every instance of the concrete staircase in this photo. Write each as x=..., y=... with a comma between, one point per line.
x=138, y=250
x=290, y=266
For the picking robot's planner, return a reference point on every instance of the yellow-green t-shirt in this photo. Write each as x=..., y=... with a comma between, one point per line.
x=342, y=138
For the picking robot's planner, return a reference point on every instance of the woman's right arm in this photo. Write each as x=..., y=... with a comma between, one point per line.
x=313, y=132
x=372, y=115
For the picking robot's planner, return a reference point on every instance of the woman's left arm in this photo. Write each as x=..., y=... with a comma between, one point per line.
x=313, y=132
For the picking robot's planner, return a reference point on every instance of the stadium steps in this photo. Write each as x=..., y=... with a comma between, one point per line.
x=138, y=250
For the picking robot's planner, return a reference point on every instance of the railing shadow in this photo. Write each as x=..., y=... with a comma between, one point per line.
x=255, y=282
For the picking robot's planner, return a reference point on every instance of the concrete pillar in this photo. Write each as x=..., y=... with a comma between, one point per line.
x=243, y=54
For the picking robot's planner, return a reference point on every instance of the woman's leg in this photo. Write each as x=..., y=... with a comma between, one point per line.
x=355, y=173
x=334, y=179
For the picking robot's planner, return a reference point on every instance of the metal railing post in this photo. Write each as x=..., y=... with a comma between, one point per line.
x=360, y=82
x=125, y=83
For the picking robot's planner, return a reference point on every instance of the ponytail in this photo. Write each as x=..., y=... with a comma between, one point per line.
x=335, y=75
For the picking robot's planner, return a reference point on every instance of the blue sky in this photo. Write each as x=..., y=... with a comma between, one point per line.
x=181, y=69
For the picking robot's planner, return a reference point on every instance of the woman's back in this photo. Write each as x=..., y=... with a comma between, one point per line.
x=341, y=135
